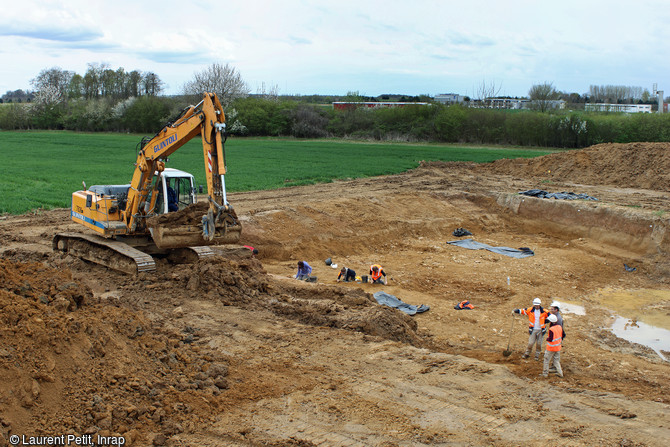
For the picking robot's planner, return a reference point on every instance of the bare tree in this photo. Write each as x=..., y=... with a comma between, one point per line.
x=541, y=95
x=485, y=91
x=270, y=93
x=616, y=94
x=93, y=87
x=224, y=80
x=152, y=84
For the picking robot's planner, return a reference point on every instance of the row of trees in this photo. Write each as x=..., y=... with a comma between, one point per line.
x=114, y=100
x=258, y=116
x=450, y=124
x=102, y=81
x=612, y=94
x=99, y=81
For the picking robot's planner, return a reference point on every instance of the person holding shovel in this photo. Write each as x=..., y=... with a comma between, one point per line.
x=536, y=327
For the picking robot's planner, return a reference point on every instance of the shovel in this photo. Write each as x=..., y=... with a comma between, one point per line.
x=507, y=352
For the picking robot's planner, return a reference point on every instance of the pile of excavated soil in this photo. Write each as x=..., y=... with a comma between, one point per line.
x=244, y=283
x=77, y=362
x=191, y=215
x=69, y=365
x=631, y=165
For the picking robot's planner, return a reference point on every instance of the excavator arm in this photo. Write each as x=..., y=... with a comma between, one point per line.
x=206, y=118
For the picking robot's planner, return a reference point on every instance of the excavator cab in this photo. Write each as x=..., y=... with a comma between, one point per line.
x=176, y=191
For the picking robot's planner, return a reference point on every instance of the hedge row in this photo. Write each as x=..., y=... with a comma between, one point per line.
x=260, y=117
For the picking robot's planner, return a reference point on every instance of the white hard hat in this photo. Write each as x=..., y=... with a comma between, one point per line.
x=537, y=302
x=555, y=304
x=552, y=318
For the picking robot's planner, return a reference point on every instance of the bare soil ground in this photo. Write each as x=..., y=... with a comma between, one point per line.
x=232, y=351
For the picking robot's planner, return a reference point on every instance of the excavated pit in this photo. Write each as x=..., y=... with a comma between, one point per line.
x=231, y=350
x=619, y=227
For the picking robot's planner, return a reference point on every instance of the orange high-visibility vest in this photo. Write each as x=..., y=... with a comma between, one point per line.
x=555, y=344
x=376, y=276
x=531, y=316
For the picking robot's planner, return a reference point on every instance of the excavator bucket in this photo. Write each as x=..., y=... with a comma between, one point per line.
x=194, y=226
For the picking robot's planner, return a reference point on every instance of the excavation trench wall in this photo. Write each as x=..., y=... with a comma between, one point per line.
x=620, y=227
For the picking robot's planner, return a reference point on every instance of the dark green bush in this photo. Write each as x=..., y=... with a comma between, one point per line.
x=147, y=114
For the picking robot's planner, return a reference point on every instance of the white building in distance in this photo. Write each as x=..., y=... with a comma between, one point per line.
x=625, y=108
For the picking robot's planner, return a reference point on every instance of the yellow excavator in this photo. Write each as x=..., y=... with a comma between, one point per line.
x=157, y=214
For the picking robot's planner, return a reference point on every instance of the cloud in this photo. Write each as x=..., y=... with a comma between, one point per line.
x=50, y=21
x=299, y=40
x=53, y=33
x=175, y=57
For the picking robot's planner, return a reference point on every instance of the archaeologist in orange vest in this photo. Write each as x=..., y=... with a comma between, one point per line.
x=536, y=327
x=377, y=274
x=552, y=352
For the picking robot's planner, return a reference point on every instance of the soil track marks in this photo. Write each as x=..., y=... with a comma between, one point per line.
x=233, y=351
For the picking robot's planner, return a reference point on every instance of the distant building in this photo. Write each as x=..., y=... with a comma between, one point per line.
x=508, y=103
x=553, y=104
x=341, y=105
x=450, y=98
x=625, y=108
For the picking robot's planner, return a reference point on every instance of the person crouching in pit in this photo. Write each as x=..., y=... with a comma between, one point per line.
x=346, y=275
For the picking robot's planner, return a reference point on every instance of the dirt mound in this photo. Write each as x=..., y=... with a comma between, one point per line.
x=74, y=361
x=71, y=366
x=245, y=284
x=191, y=215
x=631, y=165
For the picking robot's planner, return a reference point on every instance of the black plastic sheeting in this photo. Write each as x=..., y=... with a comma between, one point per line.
x=458, y=232
x=542, y=194
x=393, y=301
x=471, y=244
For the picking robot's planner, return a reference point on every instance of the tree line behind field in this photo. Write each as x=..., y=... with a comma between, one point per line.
x=257, y=116
x=118, y=101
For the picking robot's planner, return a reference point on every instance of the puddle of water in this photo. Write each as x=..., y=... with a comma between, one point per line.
x=640, y=304
x=638, y=332
x=576, y=309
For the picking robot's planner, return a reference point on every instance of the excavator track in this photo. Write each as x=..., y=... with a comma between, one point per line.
x=112, y=254
x=189, y=255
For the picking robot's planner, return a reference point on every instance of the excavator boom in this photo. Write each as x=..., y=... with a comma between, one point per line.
x=127, y=214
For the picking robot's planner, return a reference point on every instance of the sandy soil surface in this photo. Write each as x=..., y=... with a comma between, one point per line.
x=231, y=351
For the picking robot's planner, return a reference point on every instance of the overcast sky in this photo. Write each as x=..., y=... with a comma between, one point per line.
x=336, y=46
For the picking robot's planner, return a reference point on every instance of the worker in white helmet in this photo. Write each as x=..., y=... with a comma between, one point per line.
x=555, y=309
x=536, y=327
x=552, y=355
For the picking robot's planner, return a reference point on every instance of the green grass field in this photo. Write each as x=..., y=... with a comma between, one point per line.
x=42, y=169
